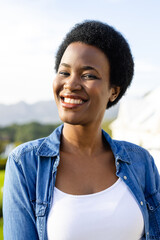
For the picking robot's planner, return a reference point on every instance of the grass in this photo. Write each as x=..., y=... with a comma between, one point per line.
x=1, y=185
x=106, y=127
x=1, y=229
x=1, y=197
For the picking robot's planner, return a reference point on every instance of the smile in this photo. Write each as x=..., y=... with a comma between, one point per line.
x=72, y=100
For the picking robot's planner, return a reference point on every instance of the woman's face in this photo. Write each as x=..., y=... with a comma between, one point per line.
x=81, y=87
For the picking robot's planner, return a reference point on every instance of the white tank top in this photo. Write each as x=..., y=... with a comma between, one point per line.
x=107, y=215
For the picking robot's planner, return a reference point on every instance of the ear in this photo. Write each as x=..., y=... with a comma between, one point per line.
x=114, y=93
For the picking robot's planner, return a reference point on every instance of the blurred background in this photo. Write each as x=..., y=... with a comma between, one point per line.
x=30, y=33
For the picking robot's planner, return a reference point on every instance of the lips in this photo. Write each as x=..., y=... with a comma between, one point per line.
x=71, y=101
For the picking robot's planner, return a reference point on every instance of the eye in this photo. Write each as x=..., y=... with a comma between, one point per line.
x=89, y=76
x=64, y=74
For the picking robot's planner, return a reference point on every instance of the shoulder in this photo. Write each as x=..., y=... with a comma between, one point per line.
x=130, y=146
x=142, y=164
x=44, y=147
x=28, y=148
x=140, y=158
x=129, y=152
x=134, y=151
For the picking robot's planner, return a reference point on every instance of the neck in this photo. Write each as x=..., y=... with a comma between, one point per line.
x=82, y=139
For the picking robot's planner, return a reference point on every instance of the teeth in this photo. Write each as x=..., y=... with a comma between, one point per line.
x=74, y=101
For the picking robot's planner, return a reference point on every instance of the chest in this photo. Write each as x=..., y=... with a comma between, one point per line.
x=82, y=175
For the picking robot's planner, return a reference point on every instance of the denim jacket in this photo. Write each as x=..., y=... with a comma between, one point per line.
x=30, y=178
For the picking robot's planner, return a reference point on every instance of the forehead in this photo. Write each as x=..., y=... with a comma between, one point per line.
x=83, y=54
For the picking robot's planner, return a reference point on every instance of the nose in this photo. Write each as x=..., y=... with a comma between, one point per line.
x=72, y=83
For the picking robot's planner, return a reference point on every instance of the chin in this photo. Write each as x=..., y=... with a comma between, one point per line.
x=72, y=120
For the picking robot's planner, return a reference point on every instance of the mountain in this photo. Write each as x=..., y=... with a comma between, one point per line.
x=43, y=112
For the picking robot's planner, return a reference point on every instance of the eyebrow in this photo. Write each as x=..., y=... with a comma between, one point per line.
x=88, y=68
x=84, y=67
x=65, y=65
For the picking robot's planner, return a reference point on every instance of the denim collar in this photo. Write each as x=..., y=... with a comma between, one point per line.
x=118, y=149
x=51, y=145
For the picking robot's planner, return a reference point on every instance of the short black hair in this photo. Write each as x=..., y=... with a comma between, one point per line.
x=111, y=43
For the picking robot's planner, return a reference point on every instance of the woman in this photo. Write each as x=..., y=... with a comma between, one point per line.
x=78, y=183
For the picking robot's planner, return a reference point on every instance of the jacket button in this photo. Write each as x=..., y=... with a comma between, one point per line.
x=125, y=177
x=141, y=203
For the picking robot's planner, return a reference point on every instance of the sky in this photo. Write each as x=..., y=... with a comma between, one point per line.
x=32, y=30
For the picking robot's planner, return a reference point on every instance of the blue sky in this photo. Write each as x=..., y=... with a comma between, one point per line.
x=31, y=31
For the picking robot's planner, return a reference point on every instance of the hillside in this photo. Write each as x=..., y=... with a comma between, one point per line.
x=43, y=112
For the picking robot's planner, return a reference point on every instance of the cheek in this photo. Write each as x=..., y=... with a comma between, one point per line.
x=100, y=92
x=56, y=86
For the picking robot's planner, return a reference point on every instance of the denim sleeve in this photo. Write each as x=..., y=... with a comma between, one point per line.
x=18, y=212
x=157, y=175
x=153, y=200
